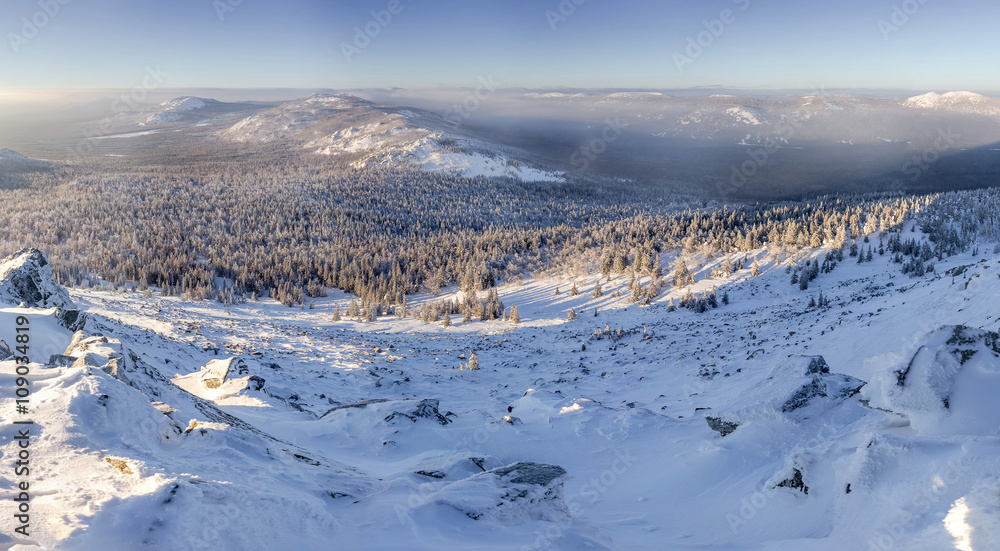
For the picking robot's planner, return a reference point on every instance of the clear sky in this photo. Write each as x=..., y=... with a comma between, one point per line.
x=801, y=44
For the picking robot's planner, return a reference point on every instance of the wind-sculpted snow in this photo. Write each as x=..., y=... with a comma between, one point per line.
x=942, y=385
x=798, y=388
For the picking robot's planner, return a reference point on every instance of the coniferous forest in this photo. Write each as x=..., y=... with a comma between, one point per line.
x=292, y=230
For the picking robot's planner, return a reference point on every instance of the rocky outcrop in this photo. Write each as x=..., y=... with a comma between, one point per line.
x=510, y=495
x=799, y=388
x=26, y=278
x=72, y=319
x=720, y=426
x=456, y=466
x=426, y=409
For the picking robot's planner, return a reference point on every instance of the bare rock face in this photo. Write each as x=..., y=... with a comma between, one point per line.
x=26, y=277
x=71, y=319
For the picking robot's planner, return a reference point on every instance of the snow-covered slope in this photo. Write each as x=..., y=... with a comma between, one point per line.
x=12, y=160
x=962, y=102
x=372, y=135
x=9, y=155
x=176, y=110
x=868, y=422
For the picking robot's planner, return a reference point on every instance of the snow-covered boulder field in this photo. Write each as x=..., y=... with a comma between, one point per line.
x=765, y=424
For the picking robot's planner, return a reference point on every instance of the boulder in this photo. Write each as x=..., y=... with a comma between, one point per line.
x=61, y=360
x=216, y=372
x=513, y=494
x=426, y=409
x=71, y=319
x=255, y=382
x=456, y=466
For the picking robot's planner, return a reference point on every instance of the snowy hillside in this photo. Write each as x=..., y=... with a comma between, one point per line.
x=175, y=110
x=8, y=155
x=373, y=135
x=766, y=423
x=963, y=102
x=11, y=160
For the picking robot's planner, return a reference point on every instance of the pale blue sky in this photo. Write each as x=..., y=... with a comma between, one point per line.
x=603, y=43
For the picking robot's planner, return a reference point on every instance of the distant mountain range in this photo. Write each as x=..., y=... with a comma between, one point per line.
x=349, y=128
x=737, y=146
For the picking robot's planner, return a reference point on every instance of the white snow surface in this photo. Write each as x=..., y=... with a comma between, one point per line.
x=369, y=436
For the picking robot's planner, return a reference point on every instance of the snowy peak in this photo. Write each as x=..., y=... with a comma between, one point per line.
x=12, y=159
x=933, y=99
x=365, y=135
x=26, y=277
x=184, y=108
x=959, y=101
x=186, y=103
x=175, y=110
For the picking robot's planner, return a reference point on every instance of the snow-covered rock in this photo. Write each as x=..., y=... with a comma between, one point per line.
x=798, y=388
x=456, y=466
x=26, y=277
x=510, y=495
x=944, y=381
x=226, y=381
